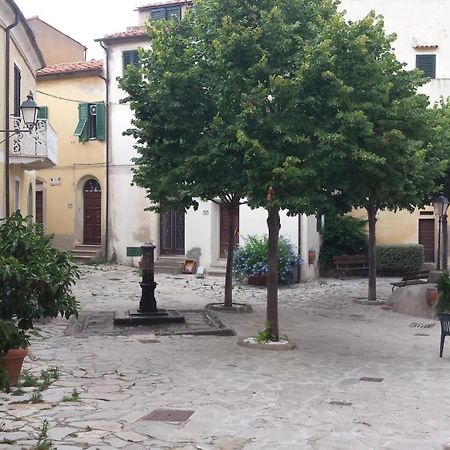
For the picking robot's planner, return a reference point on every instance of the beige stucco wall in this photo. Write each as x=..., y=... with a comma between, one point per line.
x=25, y=57
x=55, y=45
x=77, y=161
x=394, y=228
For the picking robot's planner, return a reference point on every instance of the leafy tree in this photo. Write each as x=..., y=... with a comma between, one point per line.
x=186, y=102
x=227, y=104
x=385, y=160
x=441, y=135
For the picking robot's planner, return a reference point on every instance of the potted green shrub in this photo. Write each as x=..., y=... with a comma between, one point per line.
x=13, y=349
x=35, y=279
x=250, y=260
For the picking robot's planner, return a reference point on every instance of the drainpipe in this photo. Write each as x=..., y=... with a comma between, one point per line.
x=7, y=106
x=107, y=151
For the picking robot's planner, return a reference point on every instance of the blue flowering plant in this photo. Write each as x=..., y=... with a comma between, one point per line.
x=251, y=258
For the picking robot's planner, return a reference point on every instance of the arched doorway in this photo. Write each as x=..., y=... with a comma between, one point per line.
x=92, y=213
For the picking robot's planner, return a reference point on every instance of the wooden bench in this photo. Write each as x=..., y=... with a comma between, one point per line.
x=417, y=277
x=350, y=263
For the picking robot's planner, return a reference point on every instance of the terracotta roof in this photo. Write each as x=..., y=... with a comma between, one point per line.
x=136, y=32
x=72, y=67
x=430, y=46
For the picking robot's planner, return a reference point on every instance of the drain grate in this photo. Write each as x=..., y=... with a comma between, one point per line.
x=373, y=379
x=169, y=415
x=421, y=325
x=340, y=403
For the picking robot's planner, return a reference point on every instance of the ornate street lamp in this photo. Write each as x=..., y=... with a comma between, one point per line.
x=29, y=111
x=440, y=205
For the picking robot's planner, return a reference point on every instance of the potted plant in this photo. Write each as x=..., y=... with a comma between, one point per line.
x=35, y=279
x=250, y=260
x=13, y=349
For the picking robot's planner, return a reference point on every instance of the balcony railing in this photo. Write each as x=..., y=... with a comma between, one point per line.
x=35, y=150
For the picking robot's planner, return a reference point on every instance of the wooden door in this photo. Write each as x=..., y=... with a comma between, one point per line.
x=40, y=207
x=426, y=238
x=172, y=232
x=227, y=220
x=92, y=213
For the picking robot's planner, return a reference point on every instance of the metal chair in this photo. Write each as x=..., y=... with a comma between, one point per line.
x=445, y=329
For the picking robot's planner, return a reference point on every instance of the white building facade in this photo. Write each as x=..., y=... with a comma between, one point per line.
x=197, y=234
x=422, y=41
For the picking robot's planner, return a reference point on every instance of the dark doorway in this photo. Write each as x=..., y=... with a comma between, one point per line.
x=172, y=232
x=426, y=238
x=226, y=220
x=92, y=213
x=40, y=207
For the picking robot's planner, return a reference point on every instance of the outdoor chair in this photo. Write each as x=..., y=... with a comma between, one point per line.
x=445, y=329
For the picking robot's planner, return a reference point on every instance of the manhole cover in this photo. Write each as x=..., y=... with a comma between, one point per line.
x=421, y=325
x=373, y=379
x=169, y=415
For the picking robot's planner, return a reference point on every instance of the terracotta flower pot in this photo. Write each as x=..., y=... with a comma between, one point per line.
x=311, y=257
x=431, y=295
x=12, y=362
x=257, y=280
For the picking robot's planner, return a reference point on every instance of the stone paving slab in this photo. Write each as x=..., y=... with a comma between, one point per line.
x=309, y=398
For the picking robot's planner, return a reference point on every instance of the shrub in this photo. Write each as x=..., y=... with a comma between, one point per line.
x=251, y=258
x=35, y=278
x=399, y=258
x=342, y=235
x=443, y=305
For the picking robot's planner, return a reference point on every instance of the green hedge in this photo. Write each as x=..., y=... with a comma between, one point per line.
x=399, y=258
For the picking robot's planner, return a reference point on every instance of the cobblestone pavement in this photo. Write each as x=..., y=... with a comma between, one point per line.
x=311, y=397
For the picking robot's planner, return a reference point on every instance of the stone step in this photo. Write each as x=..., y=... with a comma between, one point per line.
x=84, y=254
x=169, y=264
x=215, y=272
x=217, y=268
x=92, y=247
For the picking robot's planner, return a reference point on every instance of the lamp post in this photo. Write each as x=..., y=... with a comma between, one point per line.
x=29, y=111
x=440, y=205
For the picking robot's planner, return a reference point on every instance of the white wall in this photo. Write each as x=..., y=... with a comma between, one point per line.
x=130, y=224
x=416, y=23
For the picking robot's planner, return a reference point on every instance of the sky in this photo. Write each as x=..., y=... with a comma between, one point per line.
x=85, y=20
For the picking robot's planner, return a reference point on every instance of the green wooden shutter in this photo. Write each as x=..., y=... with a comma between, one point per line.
x=135, y=58
x=100, y=121
x=158, y=13
x=427, y=63
x=173, y=11
x=82, y=129
x=126, y=60
x=43, y=112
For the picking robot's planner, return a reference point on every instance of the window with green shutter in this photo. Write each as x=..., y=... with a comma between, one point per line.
x=43, y=112
x=91, y=121
x=165, y=12
x=427, y=63
x=130, y=58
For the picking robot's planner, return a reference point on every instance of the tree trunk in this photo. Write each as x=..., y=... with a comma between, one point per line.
x=273, y=224
x=233, y=209
x=444, y=243
x=372, y=215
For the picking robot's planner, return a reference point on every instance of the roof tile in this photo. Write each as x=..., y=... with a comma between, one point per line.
x=72, y=67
